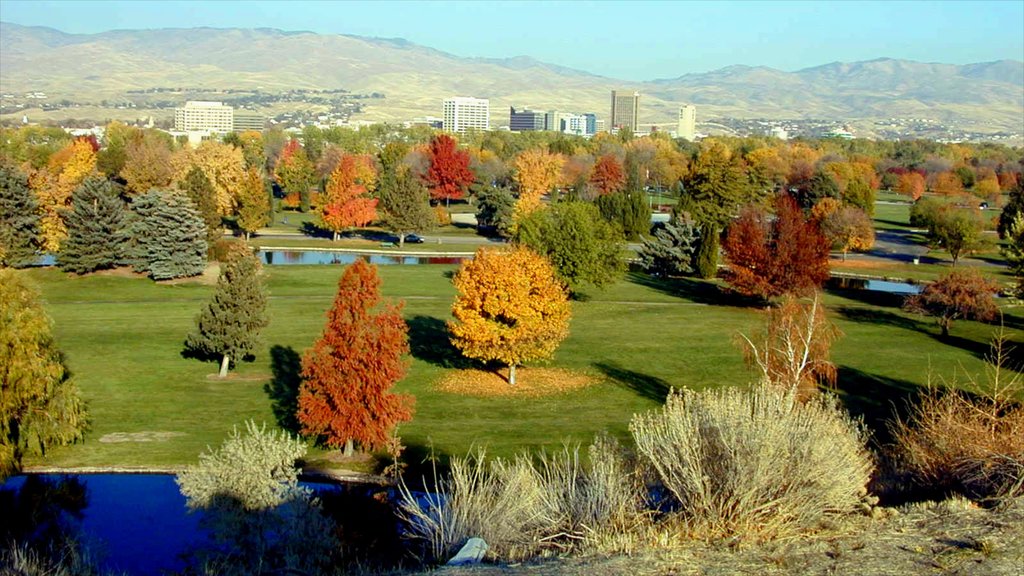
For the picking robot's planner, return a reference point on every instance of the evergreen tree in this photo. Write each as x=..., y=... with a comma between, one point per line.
x=404, y=204
x=228, y=327
x=97, y=228
x=200, y=191
x=1014, y=207
x=40, y=405
x=626, y=210
x=19, y=220
x=712, y=192
x=670, y=251
x=495, y=210
x=705, y=261
x=168, y=235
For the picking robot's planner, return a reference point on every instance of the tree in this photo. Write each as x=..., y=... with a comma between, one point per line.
x=849, y=228
x=253, y=203
x=1014, y=207
x=404, y=204
x=822, y=185
x=167, y=234
x=111, y=158
x=607, y=176
x=98, y=228
x=222, y=164
x=19, y=220
x=947, y=184
x=1013, y=250
x=229, y=325
x=772, y=257
x=448, y=175
x=911, y=184
x=295, y=172
x=960, y=294
x=510, y=308
x=628, y=210
x=714, y=188
x=670, y=251
x=537, y=171
x=496, y=210
x=582, y=247
x=66, y=169
x=347, y=202
x=40, y=406
x=347, y=376
x=251, y=142
x=958, y=231
x=200, y=191
x=147, y=162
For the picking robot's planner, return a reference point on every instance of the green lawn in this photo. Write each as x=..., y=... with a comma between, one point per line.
x=123, y=338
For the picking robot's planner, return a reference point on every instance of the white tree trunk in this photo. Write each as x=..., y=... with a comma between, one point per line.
x=224, y=363
x=335, y=235
x=401, y=240
x=512, y=375
x=348, y=448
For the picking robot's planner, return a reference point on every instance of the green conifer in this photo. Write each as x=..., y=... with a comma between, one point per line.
x=97, y=228
x=168, y=234
x=19, y=220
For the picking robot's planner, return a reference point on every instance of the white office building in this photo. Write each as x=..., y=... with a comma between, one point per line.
x=462, y=113
x=200, y=116
x=687, y=122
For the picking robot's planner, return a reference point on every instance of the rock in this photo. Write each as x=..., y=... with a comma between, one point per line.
x=472, y=553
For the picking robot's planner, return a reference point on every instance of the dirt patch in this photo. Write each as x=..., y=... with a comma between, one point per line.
x=530, y=382
x=120, y=272
x=207, y=278
x=145, y=436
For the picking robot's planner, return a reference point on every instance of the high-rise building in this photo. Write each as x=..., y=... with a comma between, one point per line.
x=687, y=122
x=462, y=113
x=625, y=108
x=575, y=124
x=591, y=124
x=243, y=121
x=525, y=120
x=201, y=116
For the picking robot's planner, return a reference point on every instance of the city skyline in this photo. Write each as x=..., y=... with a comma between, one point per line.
x=708, y=36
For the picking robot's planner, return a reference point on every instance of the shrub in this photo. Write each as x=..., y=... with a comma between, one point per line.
x=754, y=462
x=968, y=441
x=441, y=216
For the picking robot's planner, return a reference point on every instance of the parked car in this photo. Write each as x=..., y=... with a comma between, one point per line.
x=414, y=239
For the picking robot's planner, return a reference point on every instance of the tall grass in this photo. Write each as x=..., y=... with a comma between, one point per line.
x=754, y=462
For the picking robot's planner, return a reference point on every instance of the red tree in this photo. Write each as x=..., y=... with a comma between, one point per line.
x=449, y=174
x=608, y=176
x=347, y=375
x=771, y=257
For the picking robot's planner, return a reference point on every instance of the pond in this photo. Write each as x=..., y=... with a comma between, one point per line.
x=139, y=523
x=844, y=283
x=302, y=257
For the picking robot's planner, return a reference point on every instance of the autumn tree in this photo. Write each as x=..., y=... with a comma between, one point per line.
x=200, y=191
x=848, y=228
x=295, y=172
x=347, y=202
x=947, y=184
x=253, y=203
x=222, y=164
x=404, y=204
x=960, y=294
x=147, y=161
x=510, y=308
x=66, y=169
x=911, y=184
x=583, y=248
x=19, y=220
x=448, y=175
x=607, y=175
x=40, y=405
x=167, y=234
x=98, y=228
x=347, y=376
x=251, y=142
x=229, y=325
x=537, y=171
x=769, y=257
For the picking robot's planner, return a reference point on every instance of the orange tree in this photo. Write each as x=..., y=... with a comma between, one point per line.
x=348, y=374
x=511, y=308
x=959, y=294
x=448, y=175
x=347, y=202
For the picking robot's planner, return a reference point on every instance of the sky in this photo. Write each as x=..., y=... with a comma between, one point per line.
x=623, y=40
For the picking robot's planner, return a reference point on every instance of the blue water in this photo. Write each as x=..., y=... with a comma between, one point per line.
x=292, y=257
x=843, y=283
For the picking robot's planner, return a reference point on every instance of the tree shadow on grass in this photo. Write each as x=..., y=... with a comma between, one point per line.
x=695, y=290
x=879, y=400
x=873, y=316
x=650, y=387
x=283, y=389
x=429, y=341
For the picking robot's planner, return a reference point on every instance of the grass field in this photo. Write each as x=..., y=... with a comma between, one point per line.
x=123, y=337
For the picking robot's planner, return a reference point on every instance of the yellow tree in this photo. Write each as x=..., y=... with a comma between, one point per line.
x=147, y=162
x=537, y=171
x=55, y=183
x=511, y=308
x=222, y=164
x=253, y=202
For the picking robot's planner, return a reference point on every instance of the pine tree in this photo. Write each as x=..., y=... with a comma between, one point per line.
x=496, y=210
x=347, y=375
x=706, y=260
x=200, y=191
x=404, y=205
x=19, y=220
x=228, y=327
x=168, y=235
x=670, y=251
x=40, y=405
x=97, y=228
x=627, y=210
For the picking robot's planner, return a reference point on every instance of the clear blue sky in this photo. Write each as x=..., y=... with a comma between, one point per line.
x=626, y=40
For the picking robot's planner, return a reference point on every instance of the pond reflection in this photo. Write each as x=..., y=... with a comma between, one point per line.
x=304, y=257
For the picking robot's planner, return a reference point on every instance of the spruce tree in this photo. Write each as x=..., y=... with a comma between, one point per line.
x=97, y=228
x=19, y=220
x=203, y=196
x=404, y=204
x=706, y=258
x=495, y=210
x=168, y=235
x=670, y=251
x=228, y=327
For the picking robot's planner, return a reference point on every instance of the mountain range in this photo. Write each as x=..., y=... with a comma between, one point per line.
x=985, y=97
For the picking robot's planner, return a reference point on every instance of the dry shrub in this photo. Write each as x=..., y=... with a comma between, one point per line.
x=968, y=438
x=524, y=508
x=755, y=463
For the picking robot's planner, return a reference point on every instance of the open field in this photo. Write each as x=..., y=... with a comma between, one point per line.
x=123, y=338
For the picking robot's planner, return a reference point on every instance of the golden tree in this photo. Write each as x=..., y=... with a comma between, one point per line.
x=222, y=164
x=537, y=171
x=253, y=202
x=54, y=184
x=511, y=308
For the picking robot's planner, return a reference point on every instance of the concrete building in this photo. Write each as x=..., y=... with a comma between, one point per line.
x=200, y=116
x=462, y=113
x=687, y=122
x=625, y=109
x=242, y=121
x=592, y=124
x=525, y=120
